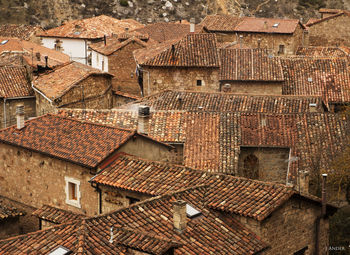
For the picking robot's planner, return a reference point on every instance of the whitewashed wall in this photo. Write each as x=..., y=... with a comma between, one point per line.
x=97, y=60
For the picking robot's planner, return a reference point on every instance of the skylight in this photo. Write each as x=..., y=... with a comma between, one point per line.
x=191, y=211
x=276, y=24
x=3, y=42
x=60, y=250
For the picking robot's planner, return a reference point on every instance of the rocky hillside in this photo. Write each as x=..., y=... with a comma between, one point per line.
x=51, y=13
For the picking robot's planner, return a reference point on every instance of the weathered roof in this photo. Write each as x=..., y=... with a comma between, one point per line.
x=227, y=23
x=14, y=82
x=249, y=65
x=319, y=51
x=59, y=81
x=206, y=234
x=325, y=10
x=7, y=211
x=67, y=139
x=21, y=31
x=326, y=77
x=56, y=215
x=227, y=102
x=163, y=31
x=92, y=28
x=194, y=50
x=33, y=53
x=335, y=15
x=113, y=44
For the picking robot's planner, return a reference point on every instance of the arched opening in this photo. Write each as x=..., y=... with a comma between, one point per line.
x=251, y=167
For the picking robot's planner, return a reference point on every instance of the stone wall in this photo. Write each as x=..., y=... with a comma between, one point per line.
x=264, y=163
x=253, y=88
x=119, y=100
x=291, y=228
x=11, y=104
x=181, y=79
x=122, y=65
x=332, y=32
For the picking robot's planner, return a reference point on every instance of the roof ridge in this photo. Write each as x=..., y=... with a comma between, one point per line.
x=326, y=18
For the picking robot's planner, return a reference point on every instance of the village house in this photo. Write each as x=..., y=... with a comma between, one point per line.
x=279, y=36
x=74, y=37
x=331, y=30
x=115, y=55
x=192, y=63
x=73, y=85
x=15, y=89
x=21, y=31
x=50, y=159
x=14, y=51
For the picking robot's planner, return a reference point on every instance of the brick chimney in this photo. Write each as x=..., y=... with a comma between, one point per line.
x=179, y=215
x=192, y=25
x=20, y=116
x=143, y=119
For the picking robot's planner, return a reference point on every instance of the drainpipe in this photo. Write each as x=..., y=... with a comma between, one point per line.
x=42, y=94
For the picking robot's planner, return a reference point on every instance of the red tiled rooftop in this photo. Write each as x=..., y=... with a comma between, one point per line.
x=22, y=31
x=75, y=141
x=319, y=51
x=14, y=82
x=56, y=215
x=7, y=211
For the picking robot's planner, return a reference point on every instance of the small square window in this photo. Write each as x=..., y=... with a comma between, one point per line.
x=133, y=200
x=72, y=192
x=199, y=82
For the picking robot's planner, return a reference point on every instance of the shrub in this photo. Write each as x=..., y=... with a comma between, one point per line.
x=124, y=3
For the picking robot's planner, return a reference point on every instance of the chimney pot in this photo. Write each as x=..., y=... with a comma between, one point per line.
x=20, y=116
x=143, y=119
x=192, y=25
x=179, y=215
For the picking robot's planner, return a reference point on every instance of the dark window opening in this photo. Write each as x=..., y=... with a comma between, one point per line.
x=281, y=49
x=251, y=167
x=132, y=200
x=301, y=252
x=199, y=82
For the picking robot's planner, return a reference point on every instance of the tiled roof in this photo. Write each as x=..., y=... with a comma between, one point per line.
x=206, y=234
x=227, y=23
x=242, y=196
x=78, y=237
x=162, y=31
x=113, y=44
x=56, y=83
x=92, y=28
x=21, y=31
x=226, y=102
x=325, y=10
x=335, y=15
x=14, y=82
x=249, y=65
x=325, y=77
x=194, y=50
x=67, y=139
x=7, y=211
x=56, y=215
x=321, y=52
x=33, y=53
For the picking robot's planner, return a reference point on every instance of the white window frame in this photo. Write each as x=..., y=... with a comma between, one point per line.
x=76, y=202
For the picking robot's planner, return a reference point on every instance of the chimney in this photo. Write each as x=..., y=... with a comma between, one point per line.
x=192, y=25
x=143, y=119
x=105, y=39
x=324, y=195
x=37, y=55
x=240, y=41
x=46, y=61
x=179, y=215
x=20, y=116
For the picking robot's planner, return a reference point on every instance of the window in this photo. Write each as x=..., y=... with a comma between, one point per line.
x=199, y=82
x=301, y=252
x=72, y=192
x=281, y=49
x=58, y=45
x=132, y=200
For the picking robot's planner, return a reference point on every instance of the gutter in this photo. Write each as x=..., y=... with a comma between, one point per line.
x=42, y=94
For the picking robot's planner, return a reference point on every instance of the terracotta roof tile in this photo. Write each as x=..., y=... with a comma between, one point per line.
x=335, y=15
x=92, y=28
x=325, y=77
x=321, y=52
x=22, y=31
x=7, y=211
x=194, y=50
x=62, y=138
x=14, y=82
x=226, y=102
x=227, y=23
x=249, y=65
x=56, y=215
x=57, y=82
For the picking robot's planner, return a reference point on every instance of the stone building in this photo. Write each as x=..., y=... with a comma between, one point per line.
x=9, y=220
x=74, y=37
x=191, y=63
x=73, y=85
x=49, y=160
x=331, y=30
x=250, y=71
x=115, y=56
x=279, y=36
x=15, y=89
